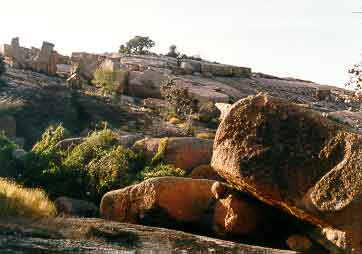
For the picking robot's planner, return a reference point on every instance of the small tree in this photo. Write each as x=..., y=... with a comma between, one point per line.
x=172, y=51
x=178, y=98
x=356, y=80
x=111, y=82
x=137, y=45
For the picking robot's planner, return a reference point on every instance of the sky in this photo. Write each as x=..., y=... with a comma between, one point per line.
x=309, y=39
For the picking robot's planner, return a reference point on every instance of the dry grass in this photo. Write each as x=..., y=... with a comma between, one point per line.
x=205, y=135
x=175, y=120
x=16, y=200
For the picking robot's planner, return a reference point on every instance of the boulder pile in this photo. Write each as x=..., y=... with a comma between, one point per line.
x=276, y=154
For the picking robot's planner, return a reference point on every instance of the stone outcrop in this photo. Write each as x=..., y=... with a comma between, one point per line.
x=296, y=159
x=190, y=66
x=75, y=207
x=206, y=205
x=224, y=70
x=223, y=108
x=86, y=64
x=44, y=60
x=205, y=172
x=146, y=84
x=142, y=62
x=182, y=152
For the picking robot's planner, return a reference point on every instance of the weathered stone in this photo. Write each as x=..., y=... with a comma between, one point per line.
x=175, y=201
x=156, y=104
x=204, y=90
x=45, y=62
x=217, y=69
x=299, y=243
x=64, y=70
x=127, y=141
x=86, y=63
x=5, y=50
x=241, y=72
x=17, y=54
x=353, y=119
x=146, y=84
x=224, y=109
x=144, y=62
x=190, y=66
x=110, y=65
x=205, y=172
x=182, y=152
x=323, y=93
x=235, y=216
x=208, y=111
x=294, y=158
x=75, y=207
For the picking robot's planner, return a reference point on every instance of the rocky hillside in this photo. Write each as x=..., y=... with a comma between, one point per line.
x=236, y=155
x=32, y=101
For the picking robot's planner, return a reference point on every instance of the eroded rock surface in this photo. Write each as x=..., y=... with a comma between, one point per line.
x=182, y=152
x=204, y=205
x=295, y=158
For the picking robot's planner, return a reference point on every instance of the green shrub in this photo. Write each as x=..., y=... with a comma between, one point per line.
x=93, y=148
x=51, y=136
x=92, y=168
x=116, y=169
x=177, y=96
x=161, y=170
x=85, y=171
x=159, y=156
x=7, y=163
x=109, y=80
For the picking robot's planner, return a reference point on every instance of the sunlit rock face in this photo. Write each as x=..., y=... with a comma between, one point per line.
x=294, y=158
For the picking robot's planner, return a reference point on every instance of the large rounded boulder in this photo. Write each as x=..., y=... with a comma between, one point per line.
x=294, y=158
x=194, y=204
x=182, y=152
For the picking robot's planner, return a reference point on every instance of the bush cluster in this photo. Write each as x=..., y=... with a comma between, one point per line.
x=178, y=98
x=110, y=81
x=7, y=164
x=84, y=171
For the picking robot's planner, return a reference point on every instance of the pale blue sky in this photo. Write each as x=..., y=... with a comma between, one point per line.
x=310, y=39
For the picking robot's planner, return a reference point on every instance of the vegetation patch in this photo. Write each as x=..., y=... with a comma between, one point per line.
x=161, y=170
x=7, y=164
x=110, y=81
x=205, y=135
x=16, y=200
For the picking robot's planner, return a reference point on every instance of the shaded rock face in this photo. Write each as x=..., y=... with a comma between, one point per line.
x=199, y=206
x=205, y=172
x=8, y=125
x=294, y=158
x=75, y=207
x=204, y=205
x=183, y=152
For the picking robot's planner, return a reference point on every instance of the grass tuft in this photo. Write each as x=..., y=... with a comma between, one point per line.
x=16, y=200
